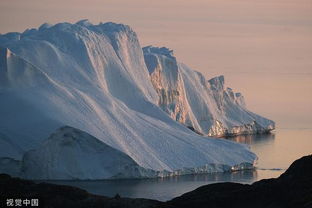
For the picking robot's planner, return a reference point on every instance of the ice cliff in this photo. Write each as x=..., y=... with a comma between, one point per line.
x=205, y=106
x=94, y=79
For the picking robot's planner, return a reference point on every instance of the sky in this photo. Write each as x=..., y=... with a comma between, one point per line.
x=263, y=47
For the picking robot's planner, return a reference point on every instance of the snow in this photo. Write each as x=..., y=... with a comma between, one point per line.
x=207, y=106
x=94, y=79
x=70, y=154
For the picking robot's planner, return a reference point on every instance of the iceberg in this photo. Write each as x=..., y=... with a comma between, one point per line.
x=94, y=79
x=70, y=154
x=205, y=106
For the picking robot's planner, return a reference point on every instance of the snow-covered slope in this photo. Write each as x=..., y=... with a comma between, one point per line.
x=73, y=154
x=93, y=78
x=207, y=107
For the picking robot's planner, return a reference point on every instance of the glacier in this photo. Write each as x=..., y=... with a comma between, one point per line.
x=205, y=106
x=93, y=82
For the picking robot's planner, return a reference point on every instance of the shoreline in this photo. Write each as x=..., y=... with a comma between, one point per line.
x=294, y=180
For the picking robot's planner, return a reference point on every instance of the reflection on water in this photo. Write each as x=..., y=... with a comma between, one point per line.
x=254, y=139
x=263, y=145
x=278, y=150
x=160, y=188
x=275, y=152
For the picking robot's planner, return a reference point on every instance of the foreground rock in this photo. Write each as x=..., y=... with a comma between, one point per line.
x=292, y=189
x=51, y=195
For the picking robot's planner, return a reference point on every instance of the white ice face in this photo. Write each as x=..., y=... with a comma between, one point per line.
x=203, y=105
x=94, y=78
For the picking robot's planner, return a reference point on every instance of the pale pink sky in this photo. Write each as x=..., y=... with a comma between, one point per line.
x=263, y=47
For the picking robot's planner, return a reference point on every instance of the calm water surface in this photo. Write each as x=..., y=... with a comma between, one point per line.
x=275, y=152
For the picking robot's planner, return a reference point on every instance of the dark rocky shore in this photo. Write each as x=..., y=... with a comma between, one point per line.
x=292, y=189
